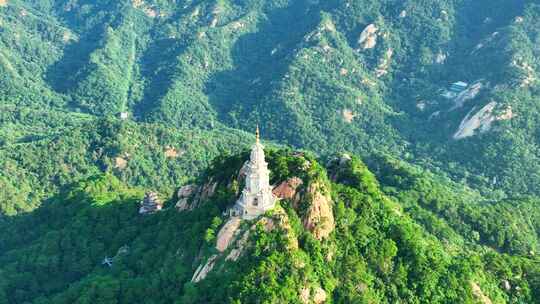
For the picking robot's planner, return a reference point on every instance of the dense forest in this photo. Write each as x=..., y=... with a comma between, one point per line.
x=367, y=77
x=373, y=247
x=437, y=102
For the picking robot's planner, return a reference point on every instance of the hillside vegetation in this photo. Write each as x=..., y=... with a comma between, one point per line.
x=329, y=76
x=102, y=101
x=371, y=248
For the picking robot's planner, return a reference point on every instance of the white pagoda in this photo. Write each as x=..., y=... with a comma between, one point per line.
x=257, y=196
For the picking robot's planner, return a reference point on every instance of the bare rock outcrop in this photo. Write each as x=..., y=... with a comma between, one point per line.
x=184, y=194
x=189, y=196
x=203, y=269
x=441, y=57
x=304, y=295
x=280, y=220
x=171, y=152
x=319, y=295
x=528, y=72
x=208, y=189
x=319, y=219
x=288, y=189
x=227, y=233
x=145, y=8
x=237, y=251
x=468, y=94
x=368, y=37
x=477, y=292
x=315, y=295
x=481, y=121
x=348, y=115
x=120, y=163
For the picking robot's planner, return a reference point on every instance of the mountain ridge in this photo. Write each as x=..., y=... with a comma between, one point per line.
x=377, y=252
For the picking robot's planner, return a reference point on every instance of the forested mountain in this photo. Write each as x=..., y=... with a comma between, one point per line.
x=336, y=236
x=362, y=76
x=102, y=101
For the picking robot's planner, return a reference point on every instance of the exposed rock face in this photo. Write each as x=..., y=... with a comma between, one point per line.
x=348, y=115
x=137, y=3
x=368, y=37
x=481, y=121
x=421, y=105
x=203, y=270
x=67, y=36
x=319, y=219
x=208, y=189
x=315, y=295
x=288, y=189
x=171, y=152
x=237, y=251
x=187, y=190
x=319, y=295
x=477, y=292
x=304, y=295
x=227, y=238
x=151, y=203
x=184, y=194
x=279, y=219
x=344, y=159
x=468, y=94
x=227, y=233
x=120, y=163
x=507, y=114
x=189, y=196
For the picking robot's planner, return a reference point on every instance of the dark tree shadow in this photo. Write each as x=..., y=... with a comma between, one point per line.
x=65, y=73
x=158, y=72
x=261, y=59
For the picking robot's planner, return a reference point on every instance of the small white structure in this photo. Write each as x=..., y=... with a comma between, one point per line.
x=455, y=89
x=107, y=262
x=257, y=196
x=459, y=86
x=123, y=115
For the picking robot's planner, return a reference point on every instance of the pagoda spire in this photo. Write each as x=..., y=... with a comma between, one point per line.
x=257, y=134
x=257, y=196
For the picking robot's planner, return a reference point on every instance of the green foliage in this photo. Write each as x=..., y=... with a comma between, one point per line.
x=448, y=209
x=192, y=74
x=376, y=253
x=37, y=161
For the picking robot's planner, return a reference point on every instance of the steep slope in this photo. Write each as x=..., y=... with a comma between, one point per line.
x=330, y=76
x=371, y=249
x=43, y=151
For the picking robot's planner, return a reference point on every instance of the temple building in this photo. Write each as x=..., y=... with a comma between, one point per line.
x=257, y=196
x=151, y=203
